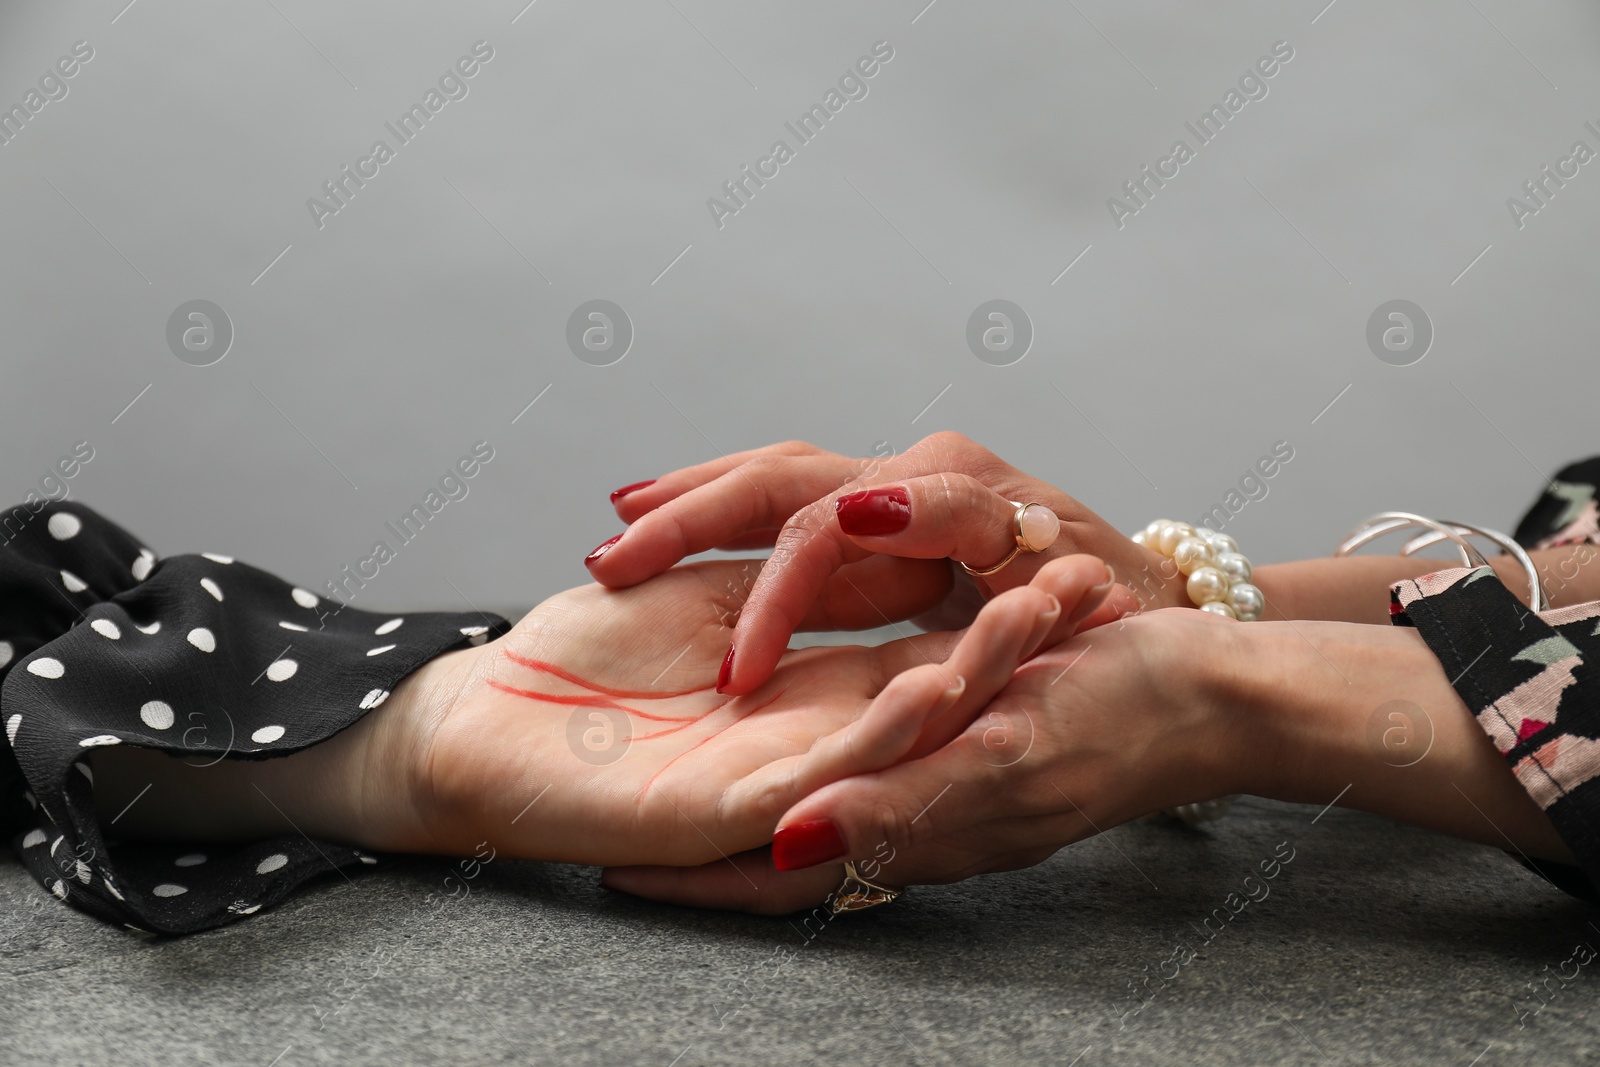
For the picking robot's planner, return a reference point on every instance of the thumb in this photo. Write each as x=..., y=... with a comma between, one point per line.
x=879, y=816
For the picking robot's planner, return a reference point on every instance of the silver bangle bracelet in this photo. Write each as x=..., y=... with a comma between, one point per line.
x=1433, y=532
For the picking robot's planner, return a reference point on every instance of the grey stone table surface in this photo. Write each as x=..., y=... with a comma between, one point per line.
x=1375, y=943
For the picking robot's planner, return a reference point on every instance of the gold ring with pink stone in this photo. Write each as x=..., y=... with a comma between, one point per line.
x=1034, y=527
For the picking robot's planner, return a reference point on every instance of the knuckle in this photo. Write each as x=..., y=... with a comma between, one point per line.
x=798, y=533
x=766, y=800
x=808, y=521
x=760, y=468
x=950, y=450
x=959, y=495
x=895, y=821
x=971, y=495
x=963, y=504
x=667, y=529
x=949, y=442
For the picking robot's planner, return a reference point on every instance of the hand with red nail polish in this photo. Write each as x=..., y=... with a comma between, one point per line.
x=601, y=549
x=965, y=751
x=806, y=844
x=861, y=542
x=874, y=512
x=629, y=490
x=598, y=731
x=1051, y=734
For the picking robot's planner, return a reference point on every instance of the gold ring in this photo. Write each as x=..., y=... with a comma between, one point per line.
x=1024, y=543
x=858, y=894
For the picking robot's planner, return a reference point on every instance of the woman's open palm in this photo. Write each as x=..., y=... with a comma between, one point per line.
x=593, y=732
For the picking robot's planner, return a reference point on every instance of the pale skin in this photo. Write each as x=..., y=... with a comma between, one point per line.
x=1200, y=707
x=1159, y=709
x=457, y=755
x=784, y=496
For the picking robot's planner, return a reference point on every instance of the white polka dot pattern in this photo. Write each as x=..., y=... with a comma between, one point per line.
x=158, y=715
x=190, y=655
x=64, y=525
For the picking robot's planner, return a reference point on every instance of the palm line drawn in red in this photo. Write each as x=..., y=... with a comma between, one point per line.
x=567, y=676
x=600, y=696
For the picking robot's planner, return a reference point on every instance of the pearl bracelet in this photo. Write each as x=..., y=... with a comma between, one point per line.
x=1218, y=575
x=1219, y=582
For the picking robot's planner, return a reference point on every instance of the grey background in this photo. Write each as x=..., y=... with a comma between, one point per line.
x=833, y=308
x=371, y=354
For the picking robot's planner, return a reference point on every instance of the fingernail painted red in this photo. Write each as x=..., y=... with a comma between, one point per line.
x=726, y=672
x=874, y=512
x=806, y=844
x=601, y=549
x=634, y=488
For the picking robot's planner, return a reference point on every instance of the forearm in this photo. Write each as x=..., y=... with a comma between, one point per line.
x=1367, y=715
x=146, y=794
x=1356, y=588
x=355, y=787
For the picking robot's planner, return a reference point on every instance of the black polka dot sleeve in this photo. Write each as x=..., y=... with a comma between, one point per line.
x=102, y=643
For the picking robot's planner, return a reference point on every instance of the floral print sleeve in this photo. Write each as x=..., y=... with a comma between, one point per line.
x=1532, y=680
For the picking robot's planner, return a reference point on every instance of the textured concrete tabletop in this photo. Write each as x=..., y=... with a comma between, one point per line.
x=1375, y=943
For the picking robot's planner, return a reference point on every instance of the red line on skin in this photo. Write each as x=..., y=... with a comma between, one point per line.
x=686, y=723
x=551, y=668
x=587, y=701
x=697, y=744
x=664, y=733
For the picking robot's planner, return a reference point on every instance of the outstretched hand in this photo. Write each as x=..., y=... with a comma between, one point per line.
x=599, y=709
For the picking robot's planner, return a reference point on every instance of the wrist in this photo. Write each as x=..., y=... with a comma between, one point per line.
x=1288, y=692
x=1223, y=680
x=1365, y=716
x=364, y=786
x=1356, y=588
x=1209, y=694
x=1154, y=579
